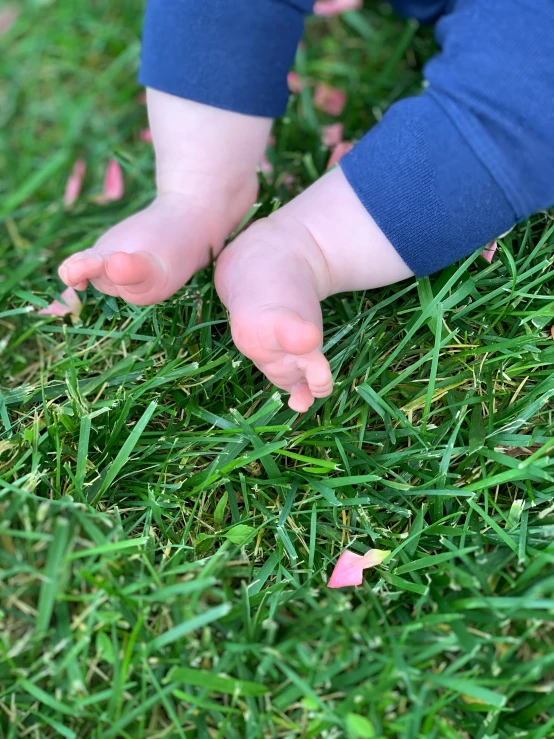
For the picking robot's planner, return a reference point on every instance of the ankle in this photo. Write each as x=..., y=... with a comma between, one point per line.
x=296, y=237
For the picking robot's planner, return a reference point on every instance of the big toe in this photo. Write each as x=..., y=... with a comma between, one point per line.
x=297, y=336
x=137, y=272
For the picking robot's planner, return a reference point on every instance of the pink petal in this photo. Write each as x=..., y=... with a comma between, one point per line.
x=349, y=569
x=8, y=17
x=114, y=186
x=329, y=99
x=72, y=305
x=488, y=251
x=334, y=7
x=288, y=180
x=266, y=167
x=331, y=136
x=295, y=82
x=146, y=136
x=141, y=97
x=74, y=183
x=338, y=152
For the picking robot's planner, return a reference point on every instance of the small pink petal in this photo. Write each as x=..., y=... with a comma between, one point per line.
x=114, y=186
x=329, y=99
x=8, y=17
x=349, y=569
x=338, y=152
x=74, y=183
x=334, y=7
x=288, y=180
x=488, y=251
x=146, y=135
x=141, y=97
x=295, y=82
x=72, y=305
x=267, y=168
x=331, y=136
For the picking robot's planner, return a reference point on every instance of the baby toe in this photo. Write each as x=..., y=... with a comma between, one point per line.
x=301, y=398
x=318, y=376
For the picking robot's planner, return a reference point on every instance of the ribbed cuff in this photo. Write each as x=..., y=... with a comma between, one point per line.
x=225, y=53
x=425, y=187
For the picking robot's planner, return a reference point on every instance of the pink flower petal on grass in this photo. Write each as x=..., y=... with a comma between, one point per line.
x=114, y=186
x=74, y=183
x=488, y=251
x=338, y=152
x=349, y=569
x=8, y=17
x=334, y=7
x=331, y=136
x=71, y=305
x=146, y=135
x=329, y=99
x=295, y=82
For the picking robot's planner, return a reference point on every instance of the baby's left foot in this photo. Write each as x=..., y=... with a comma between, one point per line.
x=273, y=277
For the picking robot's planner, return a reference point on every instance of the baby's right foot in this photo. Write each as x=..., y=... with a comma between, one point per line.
x=206, y=161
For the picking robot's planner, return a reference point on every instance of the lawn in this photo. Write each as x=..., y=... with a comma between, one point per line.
x=168, y=525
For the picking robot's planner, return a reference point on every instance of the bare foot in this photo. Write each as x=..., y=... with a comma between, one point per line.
x=149, y=256
x=272, y=280
x=206, y=160
x=274, y=275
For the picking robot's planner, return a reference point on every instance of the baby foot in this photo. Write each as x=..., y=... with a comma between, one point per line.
x=149, y=256
x=274, y=275
x=272, y=280
x=206, y=176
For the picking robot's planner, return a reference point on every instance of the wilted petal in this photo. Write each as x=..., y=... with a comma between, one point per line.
x=114, y=186
x=329, y=99
x=71, y=305
x=295, y=82
x=266, y=167
x=74, y=183
x=331, y=136
x=8, y=17
x=338, y=152
x=146, y=135
x=288, y=180
x=349, y=569
x=488, y=251
x=334, y=7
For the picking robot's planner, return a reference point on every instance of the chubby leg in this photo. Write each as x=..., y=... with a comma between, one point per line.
x=206, y=161
x=274, y=275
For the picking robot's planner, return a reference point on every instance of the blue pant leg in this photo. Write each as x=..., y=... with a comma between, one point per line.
x=425, y=11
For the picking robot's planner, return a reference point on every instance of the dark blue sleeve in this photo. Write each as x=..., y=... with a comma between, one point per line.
x=446, y=172
x=232, y=54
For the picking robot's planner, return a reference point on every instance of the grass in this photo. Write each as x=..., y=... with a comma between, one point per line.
x=167, y=525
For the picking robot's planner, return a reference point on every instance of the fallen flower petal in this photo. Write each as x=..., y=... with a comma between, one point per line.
x=295, y=82
x=488, y=251
x=74, y=183
x=349, y=569
x=71, y=305
x=146, y=136
x=331, y=136
x=114, y=186
x=8, y=17
x=266, y=166
x=329, y=99
x=338, y=152
x=334, y=7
